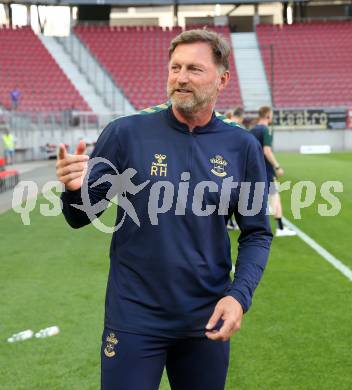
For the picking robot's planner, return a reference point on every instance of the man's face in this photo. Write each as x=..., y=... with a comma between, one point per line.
x=194, y=80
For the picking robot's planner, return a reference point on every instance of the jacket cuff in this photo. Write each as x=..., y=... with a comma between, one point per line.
x=240, y=298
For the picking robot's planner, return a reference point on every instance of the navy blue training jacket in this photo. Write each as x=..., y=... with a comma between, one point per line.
x=167, y=274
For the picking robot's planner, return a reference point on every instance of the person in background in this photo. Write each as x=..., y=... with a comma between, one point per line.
x=264, y=135
x=9, y=146
x=249, y=122
x=237, y=115
x=15, y=97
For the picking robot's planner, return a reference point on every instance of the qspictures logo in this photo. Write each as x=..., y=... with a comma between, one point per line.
x=162, y=195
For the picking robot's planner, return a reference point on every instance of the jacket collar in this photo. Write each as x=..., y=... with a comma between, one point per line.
x=177, y=125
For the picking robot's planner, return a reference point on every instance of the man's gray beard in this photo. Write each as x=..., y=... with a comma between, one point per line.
x=189, y=106
x=186, y=106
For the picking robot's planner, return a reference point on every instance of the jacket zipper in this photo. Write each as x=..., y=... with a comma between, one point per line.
x=190, y=157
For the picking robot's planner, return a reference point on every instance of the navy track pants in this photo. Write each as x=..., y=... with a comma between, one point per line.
x=136, y=362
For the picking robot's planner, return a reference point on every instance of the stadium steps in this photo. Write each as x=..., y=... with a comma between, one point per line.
x=96, y=74
x=253, y=83
x=94, y=101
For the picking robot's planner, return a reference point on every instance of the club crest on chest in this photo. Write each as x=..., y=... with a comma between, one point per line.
x=219, y=164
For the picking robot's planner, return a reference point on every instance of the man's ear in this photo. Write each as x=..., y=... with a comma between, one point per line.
x=224, y=80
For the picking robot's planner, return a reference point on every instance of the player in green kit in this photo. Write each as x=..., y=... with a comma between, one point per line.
x=265, y=136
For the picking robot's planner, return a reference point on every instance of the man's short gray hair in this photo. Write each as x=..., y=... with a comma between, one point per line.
x=218, y=44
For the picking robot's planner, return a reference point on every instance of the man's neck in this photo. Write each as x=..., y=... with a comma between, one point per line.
x=196, y=119
x=263, y=122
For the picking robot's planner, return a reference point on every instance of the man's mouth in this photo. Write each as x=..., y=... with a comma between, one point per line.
x=183, y=90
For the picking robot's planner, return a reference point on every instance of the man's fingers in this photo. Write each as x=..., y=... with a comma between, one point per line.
x=72, y=159
x=213, y=336
x=231, y=312
x=66, y=158
x=70, y=176
x=62, y=152
x=225, y=332
x=71, y=167
x=68, y=161
x=81, y=148
x=215, y=317
x=75, y=167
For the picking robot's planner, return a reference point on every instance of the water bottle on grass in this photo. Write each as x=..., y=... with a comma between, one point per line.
x=24, y=335
x=47, y=332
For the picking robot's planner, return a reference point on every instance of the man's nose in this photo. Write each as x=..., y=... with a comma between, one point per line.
x=183, y=76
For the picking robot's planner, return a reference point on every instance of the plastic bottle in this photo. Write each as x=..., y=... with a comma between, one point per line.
x=47, y=332
x=24, y=335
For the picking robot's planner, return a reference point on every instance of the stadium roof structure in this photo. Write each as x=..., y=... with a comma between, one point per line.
x=144, y=3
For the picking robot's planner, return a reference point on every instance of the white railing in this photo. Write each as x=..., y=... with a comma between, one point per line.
x=95, y=73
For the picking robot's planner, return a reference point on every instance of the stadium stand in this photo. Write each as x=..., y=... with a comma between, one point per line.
x=136, y=58
x=25, y=63
x=312, y=63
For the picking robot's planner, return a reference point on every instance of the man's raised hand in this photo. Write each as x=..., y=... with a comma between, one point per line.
x=71, y=168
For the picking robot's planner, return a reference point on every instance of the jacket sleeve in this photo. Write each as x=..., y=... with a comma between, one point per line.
x=255, y=238
x=78, y=206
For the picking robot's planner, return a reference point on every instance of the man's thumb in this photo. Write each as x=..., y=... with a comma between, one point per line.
x=81, y=147
x=62, y=152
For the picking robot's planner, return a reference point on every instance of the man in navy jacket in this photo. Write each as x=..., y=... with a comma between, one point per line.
x=180, y=170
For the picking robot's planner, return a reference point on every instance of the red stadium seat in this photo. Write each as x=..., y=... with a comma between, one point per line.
x=312, y=63
x=2, y=163
x=8, y=179
x=25, y=63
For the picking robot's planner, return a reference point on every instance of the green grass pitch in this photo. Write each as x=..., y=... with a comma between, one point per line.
x=297, y=335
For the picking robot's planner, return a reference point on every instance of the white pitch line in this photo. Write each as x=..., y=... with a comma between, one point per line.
x=320, y=250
